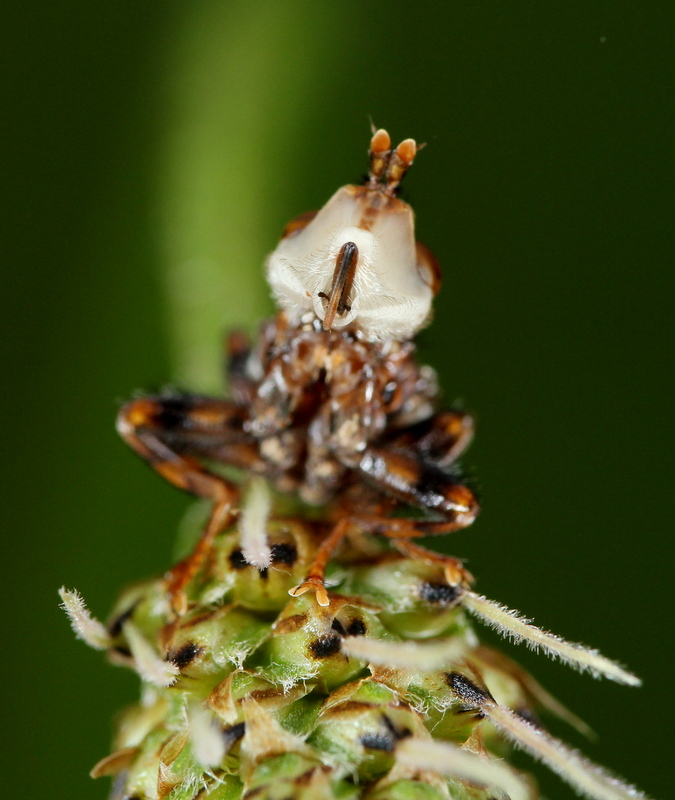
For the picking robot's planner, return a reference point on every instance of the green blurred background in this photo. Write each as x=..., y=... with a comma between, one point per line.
x=153, y=151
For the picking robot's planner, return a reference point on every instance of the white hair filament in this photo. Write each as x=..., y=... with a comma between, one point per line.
x=511, y=623
x=86, y=627
x=253, y=524
x=405, y=655
x=208, y=742
x=589, y=779
x=454, y=762
x=149, y=665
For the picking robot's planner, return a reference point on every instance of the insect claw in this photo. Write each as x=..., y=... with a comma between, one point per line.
x=312, y=584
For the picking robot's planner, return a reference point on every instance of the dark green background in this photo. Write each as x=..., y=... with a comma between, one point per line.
x=545, y=191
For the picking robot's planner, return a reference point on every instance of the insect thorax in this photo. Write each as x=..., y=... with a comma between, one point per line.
x=318, y=398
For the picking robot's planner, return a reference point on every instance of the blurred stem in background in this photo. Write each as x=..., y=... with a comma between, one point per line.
x=231, y=134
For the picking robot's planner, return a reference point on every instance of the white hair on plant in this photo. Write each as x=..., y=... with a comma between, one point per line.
x=511, y=623
x=253, y=524
x=208, y=743
x=149, y=665
x=405, y=655
x=86, y=627
x=587, y=778
x=455, y=762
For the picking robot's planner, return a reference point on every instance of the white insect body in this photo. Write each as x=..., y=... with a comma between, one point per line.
x=388, y=285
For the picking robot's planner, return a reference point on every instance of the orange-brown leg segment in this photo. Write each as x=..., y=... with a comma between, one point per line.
x=455, y=573
x=168, y=432
x=439, y=440
x=314, y=579
x=408, y=476
x=405, y=476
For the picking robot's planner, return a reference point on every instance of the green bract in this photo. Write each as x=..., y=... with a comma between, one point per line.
x=384, y=694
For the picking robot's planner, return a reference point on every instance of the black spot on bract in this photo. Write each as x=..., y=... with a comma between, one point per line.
x=284, y=553
x=237, y=560
x=397, y=733
x=469, y=693
x=337, y=626
x=325, y=646
x=357, y=627
x=378, y=741
x=184, y=655
x=234, y=733
x=440, y=593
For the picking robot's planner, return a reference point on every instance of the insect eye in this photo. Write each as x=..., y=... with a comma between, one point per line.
x=428, y=267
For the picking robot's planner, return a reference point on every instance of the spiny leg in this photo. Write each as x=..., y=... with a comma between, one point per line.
x=168, y=432
x=314, y=580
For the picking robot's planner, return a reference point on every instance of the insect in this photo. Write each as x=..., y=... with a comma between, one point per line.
x=331, y=402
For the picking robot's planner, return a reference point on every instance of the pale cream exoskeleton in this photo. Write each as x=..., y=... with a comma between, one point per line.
x=357, y=261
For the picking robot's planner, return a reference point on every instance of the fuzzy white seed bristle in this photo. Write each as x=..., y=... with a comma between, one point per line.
x=253, y=524
x=149, y=665
x=587, y=778
x=451, y=760
x=208, y=743
x=511, y=623
x=406, y=655
x=86, y=627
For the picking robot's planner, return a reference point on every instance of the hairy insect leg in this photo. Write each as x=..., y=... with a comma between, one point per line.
x=314, y=580
x=168, y=432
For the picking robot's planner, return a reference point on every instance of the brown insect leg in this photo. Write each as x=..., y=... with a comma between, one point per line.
x=439, y=440
x=455, y=573
x=408, y=478
x=314, y=580
x=167, y=432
